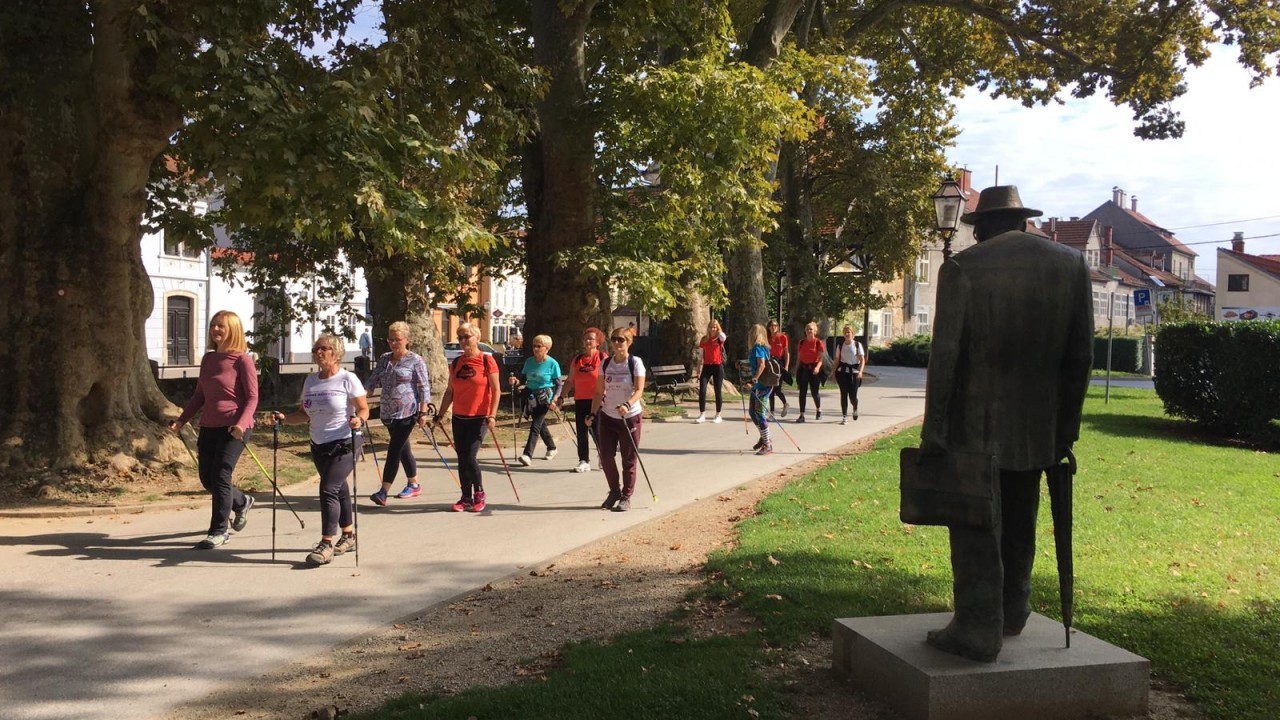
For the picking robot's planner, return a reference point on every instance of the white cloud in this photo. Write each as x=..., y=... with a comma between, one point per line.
x=1066, y=158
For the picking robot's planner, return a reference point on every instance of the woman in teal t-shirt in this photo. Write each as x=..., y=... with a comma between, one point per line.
x=542, y=382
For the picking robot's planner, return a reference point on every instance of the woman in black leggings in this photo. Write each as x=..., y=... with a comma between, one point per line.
x=406, y=393
x=712, y=345
x=809, y=370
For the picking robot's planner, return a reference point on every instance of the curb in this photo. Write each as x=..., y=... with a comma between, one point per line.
x=44, y=513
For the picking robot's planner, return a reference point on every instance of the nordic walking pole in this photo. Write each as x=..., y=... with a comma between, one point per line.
x=432, y=438
x=515, y=423
x=194, y=461
x=275, y=447
x=560, y=417
x=781, y=427
x=261, y=467
x=368, y=433
x=355, y=493
x=640, y=460
x=498, y=445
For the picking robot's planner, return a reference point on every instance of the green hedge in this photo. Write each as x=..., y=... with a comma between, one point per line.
x=910, y=351
x=1225, y=376
x=1126, y=353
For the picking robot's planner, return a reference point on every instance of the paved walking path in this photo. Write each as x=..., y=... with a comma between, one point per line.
x=116, y=617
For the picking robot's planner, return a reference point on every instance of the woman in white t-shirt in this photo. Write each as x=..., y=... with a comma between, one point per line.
x=333, y=401
x=851, y=360
x=615, y=411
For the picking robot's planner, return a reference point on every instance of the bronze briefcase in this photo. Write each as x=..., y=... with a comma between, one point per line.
x=956, y=489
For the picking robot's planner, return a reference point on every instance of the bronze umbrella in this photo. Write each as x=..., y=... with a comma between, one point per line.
x=1060, y=482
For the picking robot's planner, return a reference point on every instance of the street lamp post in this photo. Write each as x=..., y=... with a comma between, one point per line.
x=948, y=204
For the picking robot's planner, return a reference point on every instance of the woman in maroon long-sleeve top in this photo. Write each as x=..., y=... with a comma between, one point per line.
x=226, y=397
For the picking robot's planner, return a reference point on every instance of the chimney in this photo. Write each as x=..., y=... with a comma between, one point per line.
x=1117, y=196
x=1133, y=203
x=1237, y=243
x=1108, y=253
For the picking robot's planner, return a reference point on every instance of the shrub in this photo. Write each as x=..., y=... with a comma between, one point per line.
x=1225, y=376
x=1126, y=353
x=910, y=351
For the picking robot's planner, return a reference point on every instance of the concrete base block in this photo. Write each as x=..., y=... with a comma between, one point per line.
x=1034, y=677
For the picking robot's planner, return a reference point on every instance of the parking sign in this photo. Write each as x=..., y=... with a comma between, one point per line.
x=1142, y=304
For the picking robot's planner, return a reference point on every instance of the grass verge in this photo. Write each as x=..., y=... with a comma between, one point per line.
x=1177, y=536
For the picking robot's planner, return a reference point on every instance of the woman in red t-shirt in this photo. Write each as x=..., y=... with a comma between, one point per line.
x=712, y=345
x=584, y=372
x=474, y=394
x=780, y=350
x=809, y=371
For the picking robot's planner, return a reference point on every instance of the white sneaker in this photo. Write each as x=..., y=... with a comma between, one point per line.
x=582, y=467
x=526, y=460
x=844, y=419
x=702, y=417
x=718, y=419
x=551, y=453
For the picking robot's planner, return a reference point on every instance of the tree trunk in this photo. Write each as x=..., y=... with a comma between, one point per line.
x=744, y=278
x=397, y=292
x=559, y=185
x=680, y=332
x=78, y=137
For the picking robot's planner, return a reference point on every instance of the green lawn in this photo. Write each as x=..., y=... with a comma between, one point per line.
x=1177, y=542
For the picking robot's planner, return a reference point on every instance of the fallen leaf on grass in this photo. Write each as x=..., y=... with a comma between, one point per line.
x=774, y=561
x=772, y=596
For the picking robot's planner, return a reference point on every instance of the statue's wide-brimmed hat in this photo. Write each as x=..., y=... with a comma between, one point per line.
x=1000, y=199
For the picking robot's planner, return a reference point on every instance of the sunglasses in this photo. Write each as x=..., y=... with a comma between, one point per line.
x=321, y=348
x=618, y=339
x=464, y=337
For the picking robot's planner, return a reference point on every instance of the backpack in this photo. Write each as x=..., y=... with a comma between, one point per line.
x=631, y=367
x=771, y=375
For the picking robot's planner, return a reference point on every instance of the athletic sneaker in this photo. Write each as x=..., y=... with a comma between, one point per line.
x=464, y=503
x=379, y=498
x=610, y=500
x=551, y=453
x=525, y=459
x=765, y=450
x=582, y=467
x=242, y=517
x=817, y=415
x=411, y=490
x=844, y=419
x=623, y=505
x=478, y=505
x=346, y=543
x=800, y=418
x=213, y=541
x=784, y=409
x=322, y=554
x=759, y=444
x=855, y=413
x=718, y=419
x=702, y=417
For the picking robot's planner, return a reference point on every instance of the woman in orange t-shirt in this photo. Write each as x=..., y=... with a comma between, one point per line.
x=809, y=369
x=474, y=394
x=584, y=372
x=712, y=345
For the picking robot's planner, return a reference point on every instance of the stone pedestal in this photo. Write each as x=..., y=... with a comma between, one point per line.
x=1034, y=677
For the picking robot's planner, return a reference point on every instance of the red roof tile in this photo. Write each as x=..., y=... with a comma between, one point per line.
x=1269, y=264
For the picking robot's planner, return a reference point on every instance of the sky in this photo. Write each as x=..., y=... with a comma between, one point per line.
x=1204, y=186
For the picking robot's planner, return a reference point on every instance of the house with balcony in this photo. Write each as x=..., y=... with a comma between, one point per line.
x=1249, y=284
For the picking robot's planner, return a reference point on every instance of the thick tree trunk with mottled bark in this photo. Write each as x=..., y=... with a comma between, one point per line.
x=397, y=292
x=78, y=137
x=559, y=185
x=744, y=271
x=680, y=332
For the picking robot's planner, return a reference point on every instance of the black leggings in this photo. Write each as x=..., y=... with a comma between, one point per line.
x=468, y=434
x=219, y=453
x=807, y=381
x=335, y=461
x=400, y=450
x=847, y=377
x=581, y=409
x=776, y=394
x=710, y=372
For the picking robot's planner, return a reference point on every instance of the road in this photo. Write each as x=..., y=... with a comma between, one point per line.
x=115, y=617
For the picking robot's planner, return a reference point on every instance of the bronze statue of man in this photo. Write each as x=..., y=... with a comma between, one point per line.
x=1008, y=371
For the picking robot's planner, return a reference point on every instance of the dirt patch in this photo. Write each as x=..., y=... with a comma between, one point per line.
x=512, y=630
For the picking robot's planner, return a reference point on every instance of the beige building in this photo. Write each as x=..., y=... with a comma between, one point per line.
x=1248, y=285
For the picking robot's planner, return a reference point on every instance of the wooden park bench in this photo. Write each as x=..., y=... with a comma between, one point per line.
x=671, y=379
